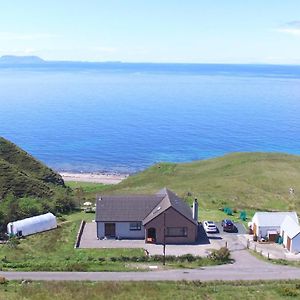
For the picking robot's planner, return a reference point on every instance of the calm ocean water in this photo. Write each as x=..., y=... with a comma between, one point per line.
x=125, y=117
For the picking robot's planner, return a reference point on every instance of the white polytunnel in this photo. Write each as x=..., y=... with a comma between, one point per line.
x=32, y=225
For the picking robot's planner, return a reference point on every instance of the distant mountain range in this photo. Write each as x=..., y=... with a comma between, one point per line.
x=12, y=59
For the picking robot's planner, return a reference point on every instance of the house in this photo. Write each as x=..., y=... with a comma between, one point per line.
x=158, y=218
x=290, y=233
x=32, y=225
x=268, y=224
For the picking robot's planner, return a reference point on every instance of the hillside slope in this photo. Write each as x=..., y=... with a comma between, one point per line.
x=22, y=175
x=242, y=180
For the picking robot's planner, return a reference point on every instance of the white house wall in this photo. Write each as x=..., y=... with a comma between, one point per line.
x=122, y=230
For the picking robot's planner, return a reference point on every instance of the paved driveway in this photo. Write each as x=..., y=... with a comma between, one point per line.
x=201, y=248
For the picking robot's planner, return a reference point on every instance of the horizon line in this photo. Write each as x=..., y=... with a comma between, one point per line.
x=142, y=62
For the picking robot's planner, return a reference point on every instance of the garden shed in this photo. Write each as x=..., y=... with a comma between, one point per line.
x=32, y=225
x=268, y=223
x=290, y=233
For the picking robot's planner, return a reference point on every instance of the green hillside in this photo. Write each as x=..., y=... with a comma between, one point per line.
x=241, y=180
x=22, y=175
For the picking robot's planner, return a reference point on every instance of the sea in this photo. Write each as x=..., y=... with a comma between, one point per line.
x=124, y=117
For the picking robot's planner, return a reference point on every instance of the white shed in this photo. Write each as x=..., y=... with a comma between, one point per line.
x=290, y=232
x=265, y=223
x=32, y=225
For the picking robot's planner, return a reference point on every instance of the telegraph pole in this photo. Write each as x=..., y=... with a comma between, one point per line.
x=164, y=249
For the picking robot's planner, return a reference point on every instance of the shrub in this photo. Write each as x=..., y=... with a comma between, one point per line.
x=222, y=255
x=289, y=292
x=187, y=257
x=3, y=280
x=13, y=242
x=158, y=258
x=113, y=259
x=171, y=258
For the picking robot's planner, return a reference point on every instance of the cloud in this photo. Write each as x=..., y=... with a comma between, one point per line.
x=292, y=28
x=293, y=23
x=9, y=36
x=292, y=31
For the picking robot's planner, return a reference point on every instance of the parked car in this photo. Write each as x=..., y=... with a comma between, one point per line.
x=228, y=225
x=210, y=227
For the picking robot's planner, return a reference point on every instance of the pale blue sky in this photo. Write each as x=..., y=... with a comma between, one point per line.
x=211, y=31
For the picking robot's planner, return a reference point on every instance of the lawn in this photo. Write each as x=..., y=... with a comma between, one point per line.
x=150, y=290
x=54, y=251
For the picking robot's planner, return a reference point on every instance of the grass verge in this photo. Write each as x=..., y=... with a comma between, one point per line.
x=150, y=290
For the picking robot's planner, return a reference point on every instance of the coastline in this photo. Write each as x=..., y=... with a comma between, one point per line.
x=104, y=178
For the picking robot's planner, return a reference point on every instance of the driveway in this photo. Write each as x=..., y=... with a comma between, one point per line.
x=246, y=267
x=202, y=248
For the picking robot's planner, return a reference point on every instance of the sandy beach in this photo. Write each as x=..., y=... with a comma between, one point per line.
x=94, y=177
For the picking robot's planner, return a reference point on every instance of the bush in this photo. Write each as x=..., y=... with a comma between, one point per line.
x=187, y=257
x=13, y=242
x=113, y=259
x=222, y=255
x=3, y=280
x=289, y=292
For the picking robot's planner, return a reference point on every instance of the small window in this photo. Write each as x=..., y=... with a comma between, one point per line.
x=177, y=231
x=135, y=226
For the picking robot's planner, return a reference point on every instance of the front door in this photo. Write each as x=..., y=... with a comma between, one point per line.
x=288, y=246
x=110, y=229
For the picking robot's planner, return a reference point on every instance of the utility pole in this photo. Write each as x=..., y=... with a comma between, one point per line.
x=164, y=249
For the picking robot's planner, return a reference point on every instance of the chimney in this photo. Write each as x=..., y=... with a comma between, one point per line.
x=195, y=210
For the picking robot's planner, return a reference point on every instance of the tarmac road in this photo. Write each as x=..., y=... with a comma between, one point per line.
x=246, y=267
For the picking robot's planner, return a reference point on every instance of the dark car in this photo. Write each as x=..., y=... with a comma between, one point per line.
x=228, y=225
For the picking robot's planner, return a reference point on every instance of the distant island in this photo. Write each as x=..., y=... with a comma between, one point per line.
x=12, y=59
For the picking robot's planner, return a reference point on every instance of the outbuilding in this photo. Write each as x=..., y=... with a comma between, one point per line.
x=268, y=224
x=32, y=225
x=290, y=233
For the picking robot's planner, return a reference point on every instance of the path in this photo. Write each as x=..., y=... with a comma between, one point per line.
x=246, y=267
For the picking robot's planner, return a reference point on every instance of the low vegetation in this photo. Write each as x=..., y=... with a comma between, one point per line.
x=54, y=251
x=28, y=187
x=150, y=290
x=251, y=181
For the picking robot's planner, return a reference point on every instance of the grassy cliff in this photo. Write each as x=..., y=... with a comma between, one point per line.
x=241, y=180
x=22, y=175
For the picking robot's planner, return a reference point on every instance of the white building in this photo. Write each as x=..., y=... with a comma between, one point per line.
x=290, y=232
x=268, y=224
x=32, y=225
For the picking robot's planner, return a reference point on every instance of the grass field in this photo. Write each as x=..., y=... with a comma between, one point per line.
x=254, y=181
x=150, y=290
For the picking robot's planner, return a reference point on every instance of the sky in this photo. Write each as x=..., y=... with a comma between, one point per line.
x=191, y=31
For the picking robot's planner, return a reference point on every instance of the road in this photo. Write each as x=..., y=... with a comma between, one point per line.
x=246, y=267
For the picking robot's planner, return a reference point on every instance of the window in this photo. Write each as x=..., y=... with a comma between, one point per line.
x=177, y=231
x=135, y=226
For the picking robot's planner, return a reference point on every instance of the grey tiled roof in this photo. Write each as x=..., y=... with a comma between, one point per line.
x=170, y=200
x=143, y=208
x=125, y=208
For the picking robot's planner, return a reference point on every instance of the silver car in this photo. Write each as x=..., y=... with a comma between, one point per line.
x=210, y=227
